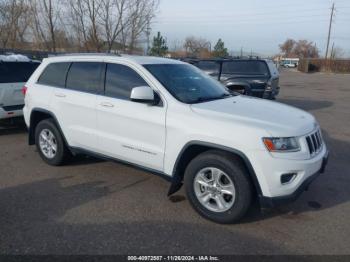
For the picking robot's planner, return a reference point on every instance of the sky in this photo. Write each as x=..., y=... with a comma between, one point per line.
x=254, y=25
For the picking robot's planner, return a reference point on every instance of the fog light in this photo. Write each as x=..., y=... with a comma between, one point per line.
x=287, y=178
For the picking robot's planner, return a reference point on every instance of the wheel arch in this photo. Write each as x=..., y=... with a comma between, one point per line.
x=193, y=149
x=37, y=115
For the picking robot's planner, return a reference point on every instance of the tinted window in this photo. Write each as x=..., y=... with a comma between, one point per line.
x=209, y=66
x=120, y=80
x=187, y=83
x=245, y=67
x=54, y=74
x=84, y=76
x=15, y=72
x=273, y=68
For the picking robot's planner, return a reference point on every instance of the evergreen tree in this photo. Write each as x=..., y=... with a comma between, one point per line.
x=220, y=50
x=159, y=46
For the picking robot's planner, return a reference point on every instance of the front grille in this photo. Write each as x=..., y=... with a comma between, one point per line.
x=314, y=142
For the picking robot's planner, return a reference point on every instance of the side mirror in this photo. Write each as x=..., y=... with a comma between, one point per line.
x=142, y=94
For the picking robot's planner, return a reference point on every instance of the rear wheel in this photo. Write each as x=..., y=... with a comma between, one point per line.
x=218, y=186
x=50, y=143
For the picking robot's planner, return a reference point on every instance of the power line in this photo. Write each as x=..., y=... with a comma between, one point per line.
x=209, y=15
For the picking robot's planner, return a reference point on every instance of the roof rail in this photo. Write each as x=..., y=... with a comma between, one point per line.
x=84, y=54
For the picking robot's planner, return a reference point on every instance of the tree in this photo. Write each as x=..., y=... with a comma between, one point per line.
x=141, y=14
x=287, y=47
x=305, y=49
x=46, y=22
x=114, y=19
x=196, y=47
x=14, y=20
x=300, y=48
x=219, y=49
x=159, y=46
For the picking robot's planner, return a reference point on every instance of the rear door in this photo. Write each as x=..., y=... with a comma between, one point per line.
x=74, y=104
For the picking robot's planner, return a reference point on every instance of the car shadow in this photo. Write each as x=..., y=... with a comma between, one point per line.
x=328, y=190
x=12, y=126
x=33, y=221
x=308, y=105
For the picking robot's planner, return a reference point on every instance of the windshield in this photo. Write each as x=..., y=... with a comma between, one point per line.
x=187, y=83
x=252, y=67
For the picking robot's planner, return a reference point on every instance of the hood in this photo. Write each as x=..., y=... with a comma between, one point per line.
x=279, y=120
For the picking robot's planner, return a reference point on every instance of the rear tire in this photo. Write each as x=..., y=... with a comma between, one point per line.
x=228, y=199
x=50, y=144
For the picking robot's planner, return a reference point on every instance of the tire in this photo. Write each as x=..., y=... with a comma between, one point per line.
x=61, y=152
x=233, y=172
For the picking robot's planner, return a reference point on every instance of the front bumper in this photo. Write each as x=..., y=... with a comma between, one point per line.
x=269, y=202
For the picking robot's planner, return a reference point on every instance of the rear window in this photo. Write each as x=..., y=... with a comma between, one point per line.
x=16, y=72
x=245, y=68
x=54, y=74
x=85, y=76
x=209, y=66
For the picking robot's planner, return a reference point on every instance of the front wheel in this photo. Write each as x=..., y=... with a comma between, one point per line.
x=218, y=186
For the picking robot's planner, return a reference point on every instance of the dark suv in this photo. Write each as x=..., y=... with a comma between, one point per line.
x=254, y=77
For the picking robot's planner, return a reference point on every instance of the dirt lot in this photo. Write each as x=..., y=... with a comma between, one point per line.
x=97, y=207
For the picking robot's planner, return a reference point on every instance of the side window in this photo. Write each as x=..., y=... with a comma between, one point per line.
x=85, y=76
x=54, y=74
x=120, y=80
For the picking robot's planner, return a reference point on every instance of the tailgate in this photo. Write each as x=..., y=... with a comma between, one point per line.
x=11, y=94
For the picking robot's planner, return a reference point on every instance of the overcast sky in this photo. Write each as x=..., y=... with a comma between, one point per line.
x=258, y=25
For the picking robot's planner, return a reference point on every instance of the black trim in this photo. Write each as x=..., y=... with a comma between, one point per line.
x=177, y=178
x=13, y=108
x=269, y=202
x=77, y=150
x=31, y=133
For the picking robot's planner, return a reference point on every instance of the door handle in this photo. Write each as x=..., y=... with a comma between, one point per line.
x=106, y=104
x=60, y=95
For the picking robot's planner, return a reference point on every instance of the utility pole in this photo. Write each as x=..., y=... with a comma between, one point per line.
x=332, y=51
x=329, y=29
x=148, y=33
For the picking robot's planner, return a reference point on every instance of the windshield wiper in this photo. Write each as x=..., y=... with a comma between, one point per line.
x=207, y=99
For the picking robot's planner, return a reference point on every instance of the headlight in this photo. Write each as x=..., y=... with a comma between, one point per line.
x=281, y=144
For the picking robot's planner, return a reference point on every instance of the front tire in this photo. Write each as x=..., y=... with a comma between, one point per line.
x=218, y=186
x=50, y=143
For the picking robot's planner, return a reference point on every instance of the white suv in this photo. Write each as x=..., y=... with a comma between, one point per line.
x=171, y=119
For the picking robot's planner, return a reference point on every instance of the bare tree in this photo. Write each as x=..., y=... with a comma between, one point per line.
x=196, y=46
x=85, y=23
x=305, y=49
x=300, y=48
x=13, y=22
x=114, y=19
x=141, y=14
x=46, y=22
x=287, y=47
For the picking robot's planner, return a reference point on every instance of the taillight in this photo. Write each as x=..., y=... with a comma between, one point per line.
x=24, y=90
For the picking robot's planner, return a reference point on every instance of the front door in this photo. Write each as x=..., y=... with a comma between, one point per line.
x=129, y=131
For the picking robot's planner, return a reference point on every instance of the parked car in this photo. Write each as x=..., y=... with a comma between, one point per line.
x=173, y=120
x=15, y=70
x=289, y=65
x=254, y=77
